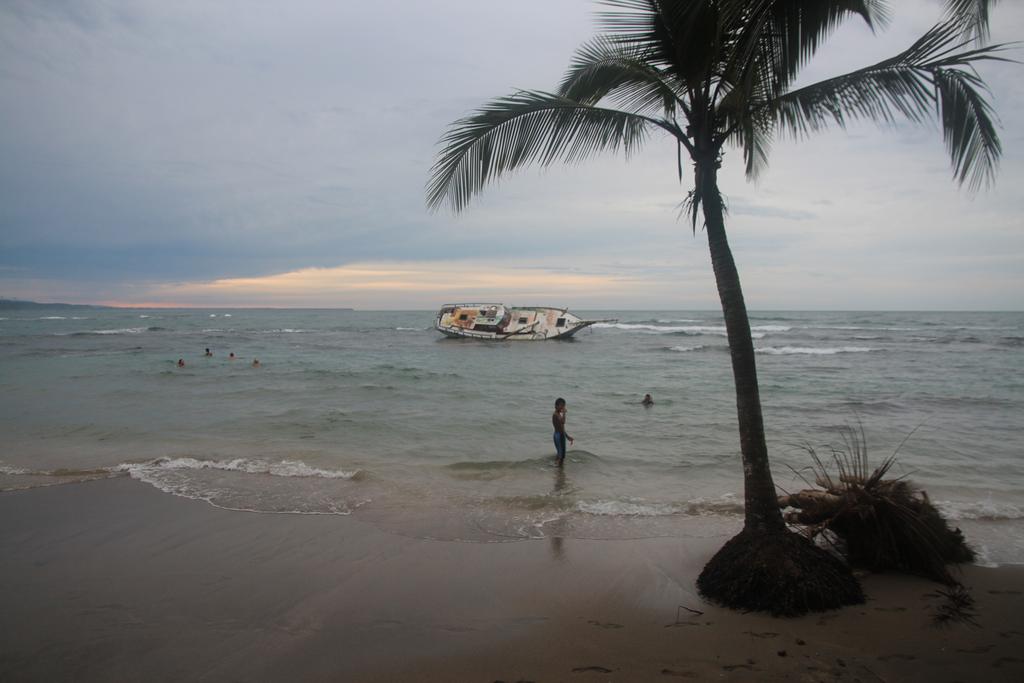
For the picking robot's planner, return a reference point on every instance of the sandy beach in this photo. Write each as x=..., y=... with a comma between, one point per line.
x=112, y=580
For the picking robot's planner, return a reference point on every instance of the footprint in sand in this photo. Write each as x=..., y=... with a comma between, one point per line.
x=886, y=658
x=608, y=624
x=595, y=669
x=763, y=634
x=980, y=650
x=749, y=666
x=998, y=664
x=1010, y=634
x=680, y=674
x=890, y=609
x=997, y=592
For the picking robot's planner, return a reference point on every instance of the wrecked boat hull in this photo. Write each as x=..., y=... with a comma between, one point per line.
x=506, y=323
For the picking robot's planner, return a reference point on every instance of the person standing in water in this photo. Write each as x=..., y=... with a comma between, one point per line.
x=558, y=422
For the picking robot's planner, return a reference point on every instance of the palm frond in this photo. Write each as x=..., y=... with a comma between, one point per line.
x=968, y=127
x=681, y=36
x=604, y=67
x=526, y=127
x=972, y=15
x=773, y=39
x=935, y=71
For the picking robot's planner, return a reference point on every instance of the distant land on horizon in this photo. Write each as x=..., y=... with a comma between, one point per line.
x=21, y=303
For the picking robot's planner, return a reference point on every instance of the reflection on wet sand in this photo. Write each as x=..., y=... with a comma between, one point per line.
x=556, y=540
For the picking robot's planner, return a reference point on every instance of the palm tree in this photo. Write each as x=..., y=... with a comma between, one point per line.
x=711, y=73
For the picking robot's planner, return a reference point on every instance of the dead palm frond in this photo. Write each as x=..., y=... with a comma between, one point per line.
x=880, y=523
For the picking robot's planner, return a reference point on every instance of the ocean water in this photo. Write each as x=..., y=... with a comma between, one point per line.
x=375, y=415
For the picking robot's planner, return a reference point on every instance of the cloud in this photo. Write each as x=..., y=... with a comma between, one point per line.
x=362, y=285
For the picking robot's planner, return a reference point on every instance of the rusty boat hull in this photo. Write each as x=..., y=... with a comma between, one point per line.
x=499, y=322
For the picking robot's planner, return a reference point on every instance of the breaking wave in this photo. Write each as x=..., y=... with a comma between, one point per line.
x=690, y=330
x=725, y=505
x=683, y=349
x=791, y=350
x=283, y=468
x=293, y=488
x=121, y=330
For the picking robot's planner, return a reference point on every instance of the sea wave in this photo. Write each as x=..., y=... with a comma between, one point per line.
x=683, y=349
x=872, y=328
x=121, y=330
x=621, y=508
x=791, y=350
x=283, y=468
x=983, y=510
x=725, y=505
x=292, y=488
x=411, y=329
x=689, y=330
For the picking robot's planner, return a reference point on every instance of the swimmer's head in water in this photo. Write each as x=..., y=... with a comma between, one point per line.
x=559, y=403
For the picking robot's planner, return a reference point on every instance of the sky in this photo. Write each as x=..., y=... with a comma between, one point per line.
x=257, y=153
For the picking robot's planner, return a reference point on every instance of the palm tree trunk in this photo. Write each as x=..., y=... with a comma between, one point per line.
x=760, y=503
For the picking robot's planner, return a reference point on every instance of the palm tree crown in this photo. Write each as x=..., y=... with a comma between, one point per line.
x=715, y=72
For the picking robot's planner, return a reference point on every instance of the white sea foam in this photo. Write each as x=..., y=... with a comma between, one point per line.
x=619, y=508
x=7, y=469
x=227, y=315
x=726, y=504
x=52, y=317
x=982, y=509
x=213, y=315
x=123, y=330
x=716, y=330
x=679, y=320
x=791, y=350
x=698, y=347
x=283, y=330
x=410, y=329
x=284, y=468
x=872, y=328
x=179, y=477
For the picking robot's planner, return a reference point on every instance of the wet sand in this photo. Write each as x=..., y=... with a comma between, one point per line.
x=112, y=580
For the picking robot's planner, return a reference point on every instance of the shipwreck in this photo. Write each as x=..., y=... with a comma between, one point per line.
x=501, y=322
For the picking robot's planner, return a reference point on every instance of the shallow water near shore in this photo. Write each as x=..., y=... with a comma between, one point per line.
x=374, y=414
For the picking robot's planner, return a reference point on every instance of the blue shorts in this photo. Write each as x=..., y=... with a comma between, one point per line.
x=559, y=438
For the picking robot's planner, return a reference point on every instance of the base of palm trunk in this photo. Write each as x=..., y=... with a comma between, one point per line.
x=782, y=573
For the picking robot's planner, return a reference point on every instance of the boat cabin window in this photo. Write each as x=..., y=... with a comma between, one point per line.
x=464, y=316
x=522, y=321
x=560, y=322
x=483, y=312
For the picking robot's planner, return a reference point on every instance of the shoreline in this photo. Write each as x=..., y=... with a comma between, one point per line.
x=111, y=579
